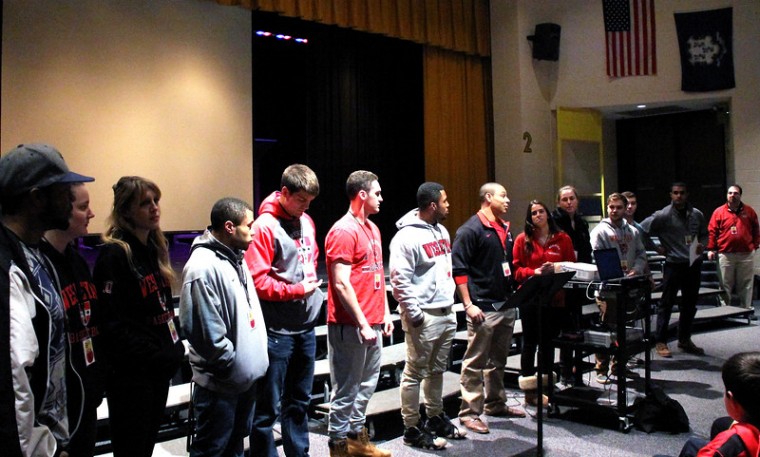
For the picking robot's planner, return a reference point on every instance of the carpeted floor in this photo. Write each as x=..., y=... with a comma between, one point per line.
x=691, y=380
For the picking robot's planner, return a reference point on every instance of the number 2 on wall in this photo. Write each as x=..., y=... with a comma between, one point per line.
x=528, y=139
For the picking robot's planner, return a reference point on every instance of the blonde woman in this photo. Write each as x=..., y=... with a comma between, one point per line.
x=133, y=276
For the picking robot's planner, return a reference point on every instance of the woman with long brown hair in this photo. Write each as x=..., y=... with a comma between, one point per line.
x=535, y=251
x=133, y=276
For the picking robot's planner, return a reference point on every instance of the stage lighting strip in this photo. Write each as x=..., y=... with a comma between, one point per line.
x=281, y=36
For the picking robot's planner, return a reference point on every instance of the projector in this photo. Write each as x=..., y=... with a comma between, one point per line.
x=607, y=339
x=583, y=271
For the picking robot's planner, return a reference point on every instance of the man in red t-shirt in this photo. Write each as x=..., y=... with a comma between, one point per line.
x=357, y=316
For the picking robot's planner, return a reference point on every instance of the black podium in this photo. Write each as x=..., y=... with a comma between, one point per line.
x=540, y=290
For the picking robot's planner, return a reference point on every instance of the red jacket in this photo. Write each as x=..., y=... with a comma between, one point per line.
x=558, y=248
x=733, y=231
x=720, y=445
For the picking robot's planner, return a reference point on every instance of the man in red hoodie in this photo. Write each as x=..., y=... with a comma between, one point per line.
x=283, y=262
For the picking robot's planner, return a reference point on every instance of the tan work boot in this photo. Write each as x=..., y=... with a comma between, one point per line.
x=359, y=446
x=338, y=448
x=662, y=350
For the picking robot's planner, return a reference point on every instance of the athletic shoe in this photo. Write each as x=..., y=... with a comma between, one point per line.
x=422, y=439
x=441, y=425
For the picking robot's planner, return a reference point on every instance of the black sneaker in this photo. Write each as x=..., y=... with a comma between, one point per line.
x=415, y=437
x=441, y=425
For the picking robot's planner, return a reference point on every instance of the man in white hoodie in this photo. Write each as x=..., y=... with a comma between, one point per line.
x=423, y=285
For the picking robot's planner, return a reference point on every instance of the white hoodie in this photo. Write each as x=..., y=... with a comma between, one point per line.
x=420, y=266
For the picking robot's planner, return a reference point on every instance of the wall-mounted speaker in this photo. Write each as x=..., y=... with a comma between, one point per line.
x=546, y=41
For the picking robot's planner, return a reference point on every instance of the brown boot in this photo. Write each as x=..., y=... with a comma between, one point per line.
x=359, y=446
x=338, y=448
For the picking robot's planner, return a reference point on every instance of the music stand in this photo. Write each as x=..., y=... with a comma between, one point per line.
x=541, y=289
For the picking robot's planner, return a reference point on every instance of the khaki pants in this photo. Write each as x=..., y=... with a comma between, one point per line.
x=427, y=356
x=482, y=377
x=736, y=269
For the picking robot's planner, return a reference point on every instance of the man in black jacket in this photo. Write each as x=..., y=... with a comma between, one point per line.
x=482, y=267
x=35, y=194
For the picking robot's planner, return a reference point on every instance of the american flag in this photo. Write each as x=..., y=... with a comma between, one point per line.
x=630, y=33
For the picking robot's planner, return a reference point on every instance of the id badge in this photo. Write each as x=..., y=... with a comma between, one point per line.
x=89, y=351
x=173, y=331
x=688, y=239
x=734, y=231
x=308, y=271
x=251, y=318
x=506, y=269
x=624, y=265
x=378, y=281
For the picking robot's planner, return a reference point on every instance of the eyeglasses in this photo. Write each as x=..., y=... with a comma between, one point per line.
x=678, y=192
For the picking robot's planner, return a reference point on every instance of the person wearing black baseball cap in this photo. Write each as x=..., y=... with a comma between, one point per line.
x=35, y=196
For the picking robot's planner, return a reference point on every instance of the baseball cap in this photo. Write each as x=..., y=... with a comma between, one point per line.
x=34, y=165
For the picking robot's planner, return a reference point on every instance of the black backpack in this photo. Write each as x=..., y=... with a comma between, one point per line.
x=658, y=412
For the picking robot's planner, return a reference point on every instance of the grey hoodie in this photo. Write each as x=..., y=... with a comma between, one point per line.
x=221, y=318
x=420, y=266
x=626, y=239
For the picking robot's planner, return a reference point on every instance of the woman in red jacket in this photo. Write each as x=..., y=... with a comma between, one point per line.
x=535, y=252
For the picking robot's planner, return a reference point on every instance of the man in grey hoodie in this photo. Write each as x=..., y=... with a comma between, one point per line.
x=614, y=232
x=221, y=318
x=423, y=285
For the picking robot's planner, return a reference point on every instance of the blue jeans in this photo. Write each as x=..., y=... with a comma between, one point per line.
x=285, y=393
x=222, y=422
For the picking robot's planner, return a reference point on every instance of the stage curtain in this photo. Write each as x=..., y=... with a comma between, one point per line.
x=458, y=148
x=456, y=25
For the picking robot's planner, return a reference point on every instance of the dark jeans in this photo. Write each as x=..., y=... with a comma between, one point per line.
x=285, y=392
x=136, y=403
x=222, y=422
x=692, y=446
x=678, y=276
x=83, y=441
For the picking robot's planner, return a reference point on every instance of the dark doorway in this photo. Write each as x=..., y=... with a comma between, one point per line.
x=655, y=151
x=344, y=101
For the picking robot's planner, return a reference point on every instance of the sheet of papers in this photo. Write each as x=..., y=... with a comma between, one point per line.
x=693, y=256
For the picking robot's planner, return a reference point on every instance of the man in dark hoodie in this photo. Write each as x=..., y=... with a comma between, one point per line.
x=283, y=262
x=222, y=320
x=35, y=195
